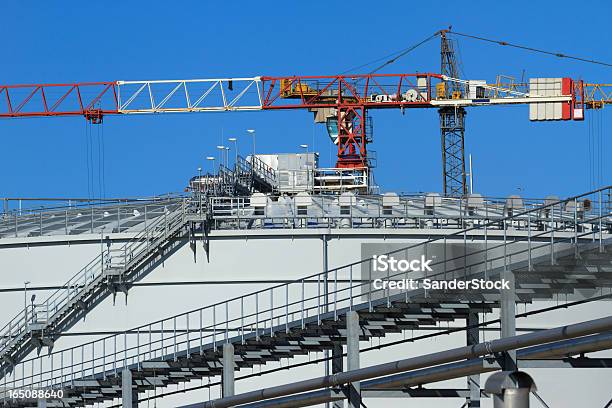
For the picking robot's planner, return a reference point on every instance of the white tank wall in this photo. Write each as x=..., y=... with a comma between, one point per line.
x=255, y=258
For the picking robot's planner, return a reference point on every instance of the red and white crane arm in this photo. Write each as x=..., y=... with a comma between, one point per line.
x=341, y=99
x=373, y=91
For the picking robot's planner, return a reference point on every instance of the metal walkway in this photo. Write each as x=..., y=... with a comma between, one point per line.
x=307, y=315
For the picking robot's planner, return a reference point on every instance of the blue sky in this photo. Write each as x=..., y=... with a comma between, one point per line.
x=145, y=155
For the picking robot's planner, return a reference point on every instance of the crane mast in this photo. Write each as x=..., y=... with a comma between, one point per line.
x=452, y=124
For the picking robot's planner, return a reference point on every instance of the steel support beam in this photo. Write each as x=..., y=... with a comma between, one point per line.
x=508, y=319
x=473, y=381
x=352, y=360
x=337, y=367
x=228, y=370
x=129, y=397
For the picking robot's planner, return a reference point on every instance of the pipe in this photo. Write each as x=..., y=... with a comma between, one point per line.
x=440, y=373
x=468, y=352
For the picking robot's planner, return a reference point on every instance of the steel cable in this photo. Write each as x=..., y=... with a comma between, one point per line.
x=555, y=54
x=396, y=55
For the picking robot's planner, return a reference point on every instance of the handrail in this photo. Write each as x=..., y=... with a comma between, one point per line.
x=79, y=282
x=78, y=203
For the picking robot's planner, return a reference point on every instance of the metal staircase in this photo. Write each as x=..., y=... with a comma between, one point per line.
x=112, y=270
x=307, y=315
x=248, y=176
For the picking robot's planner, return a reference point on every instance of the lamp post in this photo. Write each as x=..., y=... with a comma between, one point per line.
x=305, y=146
x=199, y=179
x=235, y=141
x=210, y=180
x=227, y=156
x=252, y=133
x=221, y=149
x=25, y=300
x=32, y=299
x=212, y=160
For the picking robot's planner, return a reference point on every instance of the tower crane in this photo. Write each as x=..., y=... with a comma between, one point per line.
x=342, y=102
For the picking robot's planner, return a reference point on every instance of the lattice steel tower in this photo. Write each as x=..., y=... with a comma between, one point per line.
x=452, y=125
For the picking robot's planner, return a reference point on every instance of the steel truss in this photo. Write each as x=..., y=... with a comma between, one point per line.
x=452, y=128
x=194, y=95
x=89, y=99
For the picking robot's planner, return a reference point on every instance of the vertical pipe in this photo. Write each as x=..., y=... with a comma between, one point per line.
x=228, y=370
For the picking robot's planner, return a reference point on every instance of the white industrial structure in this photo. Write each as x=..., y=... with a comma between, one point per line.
x=170, y=290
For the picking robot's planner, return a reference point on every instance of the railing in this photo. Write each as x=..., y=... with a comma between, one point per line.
x=316, y=297
x=262, y=170
x=30, y=205
x=119, y=259
x=89, y=218
x=367, y=211
x=412, y=211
